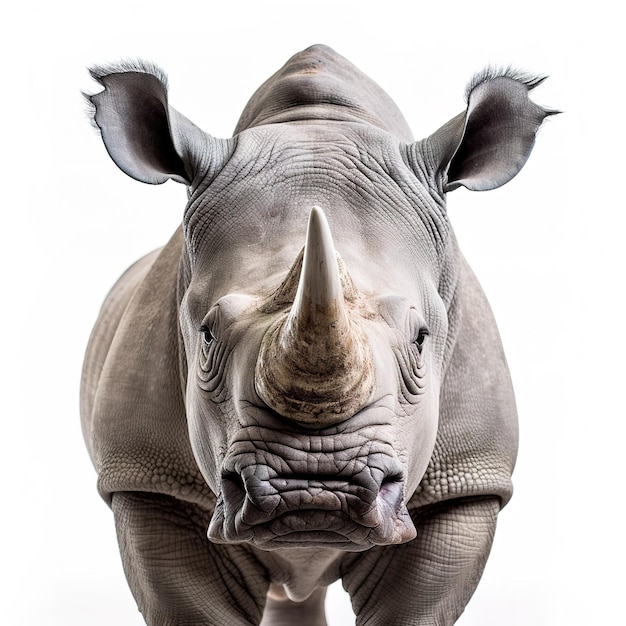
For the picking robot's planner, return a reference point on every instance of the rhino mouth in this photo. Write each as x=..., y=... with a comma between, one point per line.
x=271, y=509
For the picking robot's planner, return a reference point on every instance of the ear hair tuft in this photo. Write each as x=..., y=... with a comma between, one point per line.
x=491, y=73
x=98, y=72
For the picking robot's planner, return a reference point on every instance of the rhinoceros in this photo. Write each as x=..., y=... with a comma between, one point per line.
x=306, y=382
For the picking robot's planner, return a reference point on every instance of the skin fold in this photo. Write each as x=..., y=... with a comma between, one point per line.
x=306, y=383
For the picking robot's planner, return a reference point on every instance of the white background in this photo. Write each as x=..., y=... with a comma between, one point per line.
x=548, y=248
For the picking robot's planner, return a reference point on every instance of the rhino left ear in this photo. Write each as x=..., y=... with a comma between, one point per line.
x=487, y=145
x=147, y=139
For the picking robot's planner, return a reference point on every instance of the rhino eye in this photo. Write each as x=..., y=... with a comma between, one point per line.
x=420, y=339
x=207, y=335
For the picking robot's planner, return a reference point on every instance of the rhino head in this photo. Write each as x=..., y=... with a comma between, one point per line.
x=313, y=383
x=316, y=286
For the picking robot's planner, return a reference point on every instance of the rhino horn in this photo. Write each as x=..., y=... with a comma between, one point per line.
x=315, y=364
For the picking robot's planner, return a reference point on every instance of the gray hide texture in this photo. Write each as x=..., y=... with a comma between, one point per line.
x=306, y=382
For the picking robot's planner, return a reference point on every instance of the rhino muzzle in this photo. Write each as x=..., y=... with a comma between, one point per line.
x=302, y=498
x=315, y=365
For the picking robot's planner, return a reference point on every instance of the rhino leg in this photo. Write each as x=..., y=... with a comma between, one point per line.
x=429, y=580
x=176, y=575
x=284, y=612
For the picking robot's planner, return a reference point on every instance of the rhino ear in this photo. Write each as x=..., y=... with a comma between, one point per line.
x=487, y=145
x=145, y=137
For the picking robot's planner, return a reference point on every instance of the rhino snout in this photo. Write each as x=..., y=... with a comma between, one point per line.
x=272, y=509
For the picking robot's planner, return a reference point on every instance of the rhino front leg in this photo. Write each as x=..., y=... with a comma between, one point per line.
x=176, y=575
x=429, y=580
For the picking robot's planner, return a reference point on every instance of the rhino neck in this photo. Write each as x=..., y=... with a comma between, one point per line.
x=182, y=284
x=450, y=281
x=319, y=84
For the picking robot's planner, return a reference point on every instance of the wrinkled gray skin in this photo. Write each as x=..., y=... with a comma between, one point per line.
x=341, y=412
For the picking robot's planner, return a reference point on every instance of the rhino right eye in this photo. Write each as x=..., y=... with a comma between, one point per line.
x=421, y=338
x=207, y=335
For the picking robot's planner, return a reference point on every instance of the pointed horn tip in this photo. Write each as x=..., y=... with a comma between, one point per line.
x=319, y=284
x=317, y=215
x=318, y=219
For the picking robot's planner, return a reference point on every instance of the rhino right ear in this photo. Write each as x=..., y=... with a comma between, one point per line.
x=488, y=144
x=146, y=138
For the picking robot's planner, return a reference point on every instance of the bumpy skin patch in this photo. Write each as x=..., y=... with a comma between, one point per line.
x=132, y=407
x=401, y=498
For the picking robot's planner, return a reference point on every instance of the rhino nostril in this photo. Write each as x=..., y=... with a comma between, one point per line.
x=391, y=492
x=233, y=490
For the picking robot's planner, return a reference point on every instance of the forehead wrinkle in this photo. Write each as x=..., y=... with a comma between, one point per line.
x=275, y=169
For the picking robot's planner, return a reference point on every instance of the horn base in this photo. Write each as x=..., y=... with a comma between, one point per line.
x=298, y=380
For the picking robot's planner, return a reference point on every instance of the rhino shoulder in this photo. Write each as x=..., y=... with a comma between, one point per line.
x=477, y=435
x=132, y=406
